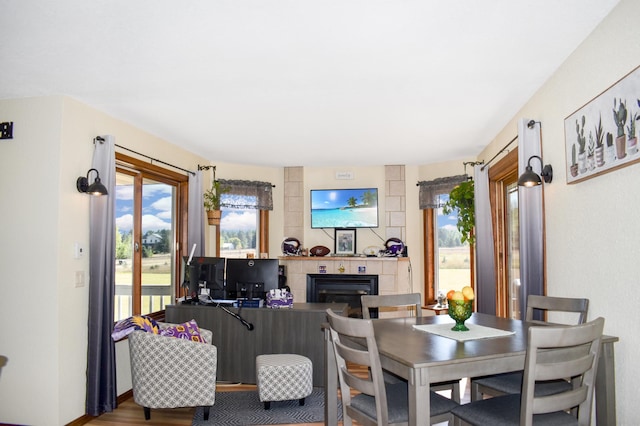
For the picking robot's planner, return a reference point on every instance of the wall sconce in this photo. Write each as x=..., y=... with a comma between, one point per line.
x=530, y=178
x=96, y=188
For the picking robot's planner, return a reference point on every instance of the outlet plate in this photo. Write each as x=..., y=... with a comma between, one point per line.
x=6, y=130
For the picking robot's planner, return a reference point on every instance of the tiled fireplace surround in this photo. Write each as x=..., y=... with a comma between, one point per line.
x=393, y=273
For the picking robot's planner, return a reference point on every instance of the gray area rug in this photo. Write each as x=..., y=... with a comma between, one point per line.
x=244, y=408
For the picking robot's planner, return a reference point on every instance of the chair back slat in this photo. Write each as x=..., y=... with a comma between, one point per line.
x=412, y=302
x=556, y=304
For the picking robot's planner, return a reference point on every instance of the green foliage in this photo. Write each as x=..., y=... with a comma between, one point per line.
x=620, y=116
x=352, y=202
x=599, y=133
x=461, y=200
x=582, y=140
x=212, y=195
x=239, y=239
x=573, y=155
x=631, y=128
x=609, y=139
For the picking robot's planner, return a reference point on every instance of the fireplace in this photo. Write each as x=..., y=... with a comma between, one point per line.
x=341, y=288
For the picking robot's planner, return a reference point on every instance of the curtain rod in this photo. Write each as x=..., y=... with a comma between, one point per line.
x=499, y=152
x=101, y=139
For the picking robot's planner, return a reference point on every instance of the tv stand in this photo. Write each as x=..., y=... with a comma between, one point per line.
x=276, y=331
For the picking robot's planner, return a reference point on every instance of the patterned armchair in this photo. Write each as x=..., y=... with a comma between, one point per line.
x=168, y=372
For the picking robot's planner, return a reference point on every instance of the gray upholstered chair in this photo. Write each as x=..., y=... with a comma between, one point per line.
x=553, y=352
x=168, y=372
x=376, y=402
x=501, y=384
x=410, y=303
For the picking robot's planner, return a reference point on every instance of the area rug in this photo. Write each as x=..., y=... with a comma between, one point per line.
x=243, y=408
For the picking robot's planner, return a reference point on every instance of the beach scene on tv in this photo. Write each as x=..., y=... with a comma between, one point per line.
x=344, y=208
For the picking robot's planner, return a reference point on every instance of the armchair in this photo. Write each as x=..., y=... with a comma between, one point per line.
x=168, y=372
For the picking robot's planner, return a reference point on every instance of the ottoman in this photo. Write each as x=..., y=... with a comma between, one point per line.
x=283, y=377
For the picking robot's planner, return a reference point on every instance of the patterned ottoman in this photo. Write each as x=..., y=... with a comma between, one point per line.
x=282, y=377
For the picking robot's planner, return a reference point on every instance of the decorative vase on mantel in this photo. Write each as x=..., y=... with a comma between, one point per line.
x=214, y=217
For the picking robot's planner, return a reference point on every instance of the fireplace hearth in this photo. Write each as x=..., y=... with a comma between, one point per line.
x=341, y=288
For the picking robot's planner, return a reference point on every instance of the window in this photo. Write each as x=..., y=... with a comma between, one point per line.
x=239, y=232
x=452, y=268
x=503, y=188
x=150, y=226
x=244, y=226
x=448, y=262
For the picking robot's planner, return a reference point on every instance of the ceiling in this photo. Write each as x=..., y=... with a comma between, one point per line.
x=297, y=82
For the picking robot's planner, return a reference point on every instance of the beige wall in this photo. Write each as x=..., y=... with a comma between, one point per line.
x=592, y=226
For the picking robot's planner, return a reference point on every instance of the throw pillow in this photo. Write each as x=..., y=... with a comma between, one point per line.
x=137, y=322
x=188, y=330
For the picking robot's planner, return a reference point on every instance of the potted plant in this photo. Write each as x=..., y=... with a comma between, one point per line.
x=582, y=142
x=632, y=141
x=620, y=118
x=599, y=143
x=574, y=162
x=591, y=162
x=611, y=150
x=211, y=199
x=461, y=199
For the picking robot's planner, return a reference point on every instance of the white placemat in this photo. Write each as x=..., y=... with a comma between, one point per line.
x=475, y=331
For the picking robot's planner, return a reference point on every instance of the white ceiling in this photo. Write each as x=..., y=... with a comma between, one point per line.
x=297, y=82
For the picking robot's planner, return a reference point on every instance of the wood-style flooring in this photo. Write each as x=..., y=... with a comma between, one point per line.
x=129, y=413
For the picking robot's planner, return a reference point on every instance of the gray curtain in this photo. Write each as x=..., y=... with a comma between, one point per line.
x=195, y=232
x=247, y=194
x=531, y=216
x=429, y=190
x=485, y=262
x=101, y=367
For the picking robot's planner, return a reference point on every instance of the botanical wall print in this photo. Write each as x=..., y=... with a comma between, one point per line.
x=601, y=136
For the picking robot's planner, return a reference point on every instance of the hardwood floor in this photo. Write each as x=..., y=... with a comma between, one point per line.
x=129, y=413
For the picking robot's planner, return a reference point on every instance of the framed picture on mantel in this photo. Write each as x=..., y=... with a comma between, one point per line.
x=345, y=241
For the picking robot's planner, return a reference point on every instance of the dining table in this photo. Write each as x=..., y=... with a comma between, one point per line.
x=415, y=349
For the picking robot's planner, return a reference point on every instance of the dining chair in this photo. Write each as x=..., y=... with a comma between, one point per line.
x=373, y=402
x=511, y=383
x=410, y=303
x=553, y=352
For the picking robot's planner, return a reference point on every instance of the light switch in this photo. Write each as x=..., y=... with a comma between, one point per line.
x=79, y=278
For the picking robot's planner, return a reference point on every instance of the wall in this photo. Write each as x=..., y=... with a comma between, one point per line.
x=592, y=226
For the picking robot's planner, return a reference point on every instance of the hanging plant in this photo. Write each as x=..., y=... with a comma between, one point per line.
x=211, y=199
x=461, y=200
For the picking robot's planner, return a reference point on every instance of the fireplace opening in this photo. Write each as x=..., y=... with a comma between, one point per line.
x=341, y=288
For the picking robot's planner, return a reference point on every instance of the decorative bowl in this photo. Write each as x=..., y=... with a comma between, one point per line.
x=460, y=311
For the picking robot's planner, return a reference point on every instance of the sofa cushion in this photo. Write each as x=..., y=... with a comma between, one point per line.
x=188, y=330
x=137, y=322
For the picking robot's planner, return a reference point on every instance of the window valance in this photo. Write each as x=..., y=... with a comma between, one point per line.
x=247, y=194
x=429, y=190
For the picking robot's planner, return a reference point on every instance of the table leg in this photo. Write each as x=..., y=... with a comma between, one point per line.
x=605, y=390
x=419, y=397
x=330, y=382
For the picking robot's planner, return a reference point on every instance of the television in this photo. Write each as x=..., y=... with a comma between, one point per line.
x=344, y=208
x=251, y=278
x=204, y=272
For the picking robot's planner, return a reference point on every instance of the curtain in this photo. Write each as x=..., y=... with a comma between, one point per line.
x=531, y=217
x=195, y=232
x=247, y=194
x=101, y=369
x=485, y=262
x=429, y=190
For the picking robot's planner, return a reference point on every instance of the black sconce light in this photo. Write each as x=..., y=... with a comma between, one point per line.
x=530, y=178
x=96, y=188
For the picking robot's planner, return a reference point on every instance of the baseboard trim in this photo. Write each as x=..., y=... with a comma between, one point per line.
x=87, y=418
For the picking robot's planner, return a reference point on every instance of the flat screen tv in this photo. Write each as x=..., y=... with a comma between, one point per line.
x=344, y=208
x=204, y=272
x=251, y=278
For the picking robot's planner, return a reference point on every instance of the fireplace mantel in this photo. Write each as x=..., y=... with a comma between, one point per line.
x=394, y=273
